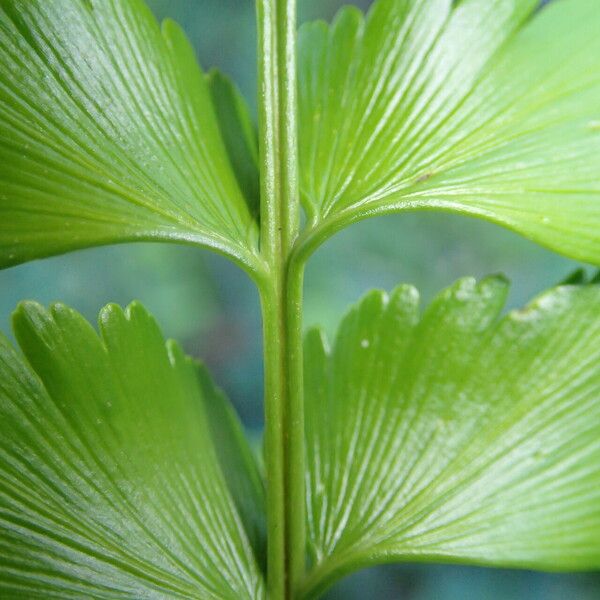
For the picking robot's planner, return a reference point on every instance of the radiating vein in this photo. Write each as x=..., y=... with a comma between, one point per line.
x=481, y=107
x=110, y=479
x=458, y=434
x=114, y=123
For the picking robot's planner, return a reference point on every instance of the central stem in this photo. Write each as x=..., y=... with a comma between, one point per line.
x=281, y=296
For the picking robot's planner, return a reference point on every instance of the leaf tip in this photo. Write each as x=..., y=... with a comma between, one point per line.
x=176, y=40
x=552, y=302
x=28, y=305
x=135, y=309
x=467, y=289
x=576, y=277
x=28, y=318
x=170, y=28
x=348, y=16
x=316, y=340
x=108, y=314
x=215, y=76
x=177, y=356
x=374, y=299
x=25, y=311
x=318, y=27
x=494, y=285
x=405, y=294
x=60, y=309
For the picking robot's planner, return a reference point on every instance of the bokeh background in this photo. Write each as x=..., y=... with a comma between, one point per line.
x=212, y=308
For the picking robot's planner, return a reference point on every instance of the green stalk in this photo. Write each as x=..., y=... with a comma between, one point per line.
x=295, y=483
x=281, y=296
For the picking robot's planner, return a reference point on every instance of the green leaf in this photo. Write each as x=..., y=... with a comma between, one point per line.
x=239, y=134
x=476, y=107
x=108, y=134
x=111, y=483
x=238, y=463
x=456, y=436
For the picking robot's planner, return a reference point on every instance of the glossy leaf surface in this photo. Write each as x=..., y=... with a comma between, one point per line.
x=456, y=436
x=111, y=469
x=108, y=134
x=478, y=107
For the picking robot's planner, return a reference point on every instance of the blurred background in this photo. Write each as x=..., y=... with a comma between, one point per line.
x=212, y=308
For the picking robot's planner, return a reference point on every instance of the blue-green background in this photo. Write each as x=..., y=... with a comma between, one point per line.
x=212, y=308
